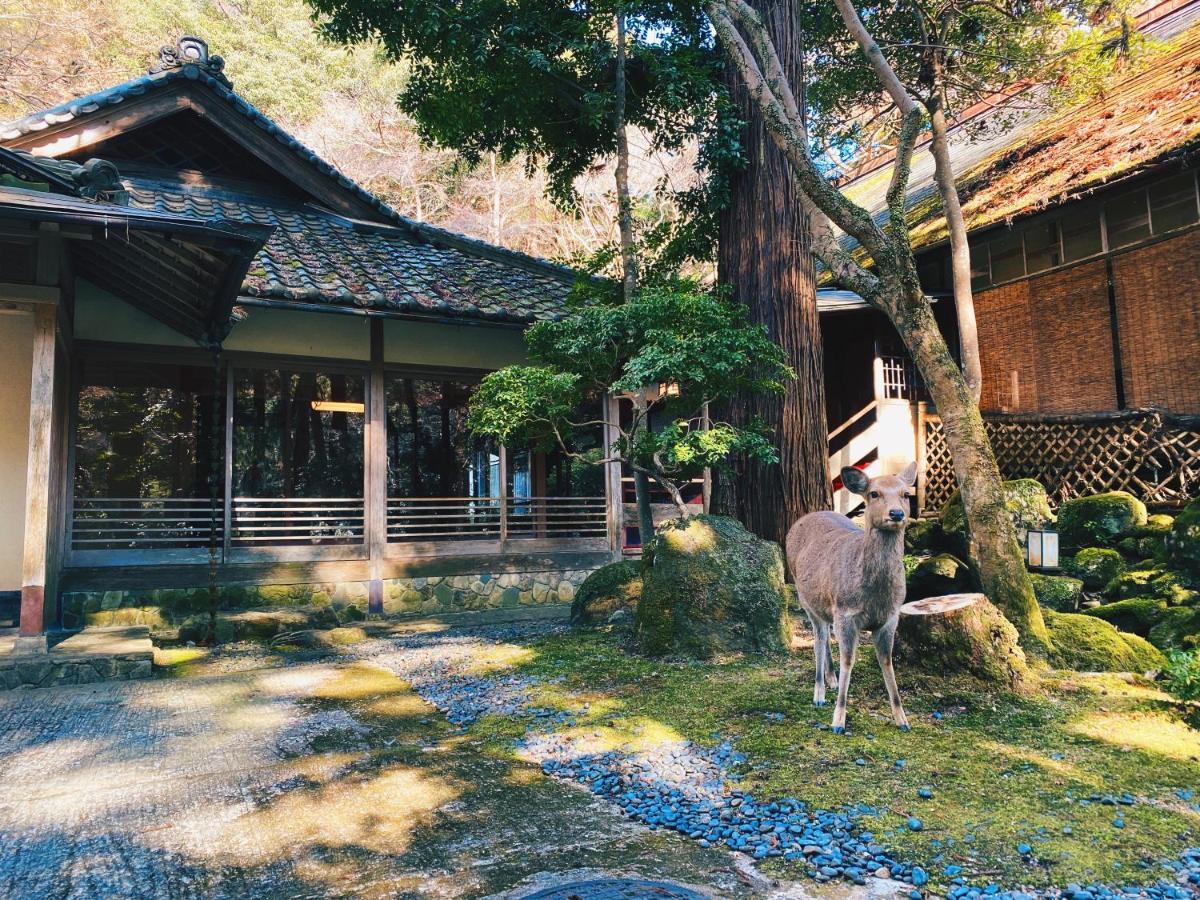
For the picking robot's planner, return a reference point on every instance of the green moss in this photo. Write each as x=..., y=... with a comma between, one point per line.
x=1159, y=525
x=713, y=588
x=936, y=575
x=1176, y=588
x=923, y=536
x=976, y=639
x=609, y=588
x=1178, y=627
x=1183, y=543
x=1057, y=592
x=1100, y=520
x=1136, y=615
x=1089, y=644
x=1025, y=500
x=1096, y=566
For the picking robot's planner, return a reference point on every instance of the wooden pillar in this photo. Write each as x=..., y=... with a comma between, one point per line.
x=35, y=568
x=375, y=467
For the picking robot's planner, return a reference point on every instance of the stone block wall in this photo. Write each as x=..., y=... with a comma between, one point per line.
x=169, y=608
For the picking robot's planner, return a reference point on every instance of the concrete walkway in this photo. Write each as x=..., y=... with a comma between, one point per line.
x=322, y=779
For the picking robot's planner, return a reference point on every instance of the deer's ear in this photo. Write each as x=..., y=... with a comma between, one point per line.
x=909, y=475
x=855, y=480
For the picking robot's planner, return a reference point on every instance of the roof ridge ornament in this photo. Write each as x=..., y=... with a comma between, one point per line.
x=191, y=51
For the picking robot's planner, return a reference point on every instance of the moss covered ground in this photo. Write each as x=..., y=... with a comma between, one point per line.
x=1046, y=770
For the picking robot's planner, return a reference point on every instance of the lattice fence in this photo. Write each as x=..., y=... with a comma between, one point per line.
x=1152, y=455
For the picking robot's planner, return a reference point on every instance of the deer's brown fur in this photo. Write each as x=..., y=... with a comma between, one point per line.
x=850, y=580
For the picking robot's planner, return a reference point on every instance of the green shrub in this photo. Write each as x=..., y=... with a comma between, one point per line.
x=1057, y=592
x=1096, y=566
x=1181, y=675
x=1100, y=520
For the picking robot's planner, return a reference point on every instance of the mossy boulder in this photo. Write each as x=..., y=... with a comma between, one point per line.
x=1159, y=524
x=1177, y=628
x=977, y=639
x=1183, y=543
x=1156, y=581
x=1057, y=592
x=608, y=589
x=1136, y=615
x=1099, y=520
x=923, y=537
x=1026, y=501
x=936, y=575
x=712, y=588
x=1088, y=644
x=1096, y=566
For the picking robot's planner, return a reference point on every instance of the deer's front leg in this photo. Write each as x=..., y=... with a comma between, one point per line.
x=847, y=634
x=884, y=639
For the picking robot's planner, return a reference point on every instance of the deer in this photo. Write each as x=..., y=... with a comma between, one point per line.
x=850, y=580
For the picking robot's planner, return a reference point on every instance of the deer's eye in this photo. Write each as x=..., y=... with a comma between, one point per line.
x=874, y=495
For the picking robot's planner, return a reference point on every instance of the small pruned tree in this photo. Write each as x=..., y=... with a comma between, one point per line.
x=674, y=350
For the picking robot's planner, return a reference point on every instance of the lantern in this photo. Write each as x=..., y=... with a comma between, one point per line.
x=1041, y=549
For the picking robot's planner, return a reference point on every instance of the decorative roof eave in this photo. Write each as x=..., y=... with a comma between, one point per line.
x=190, y=65
x=505, y=320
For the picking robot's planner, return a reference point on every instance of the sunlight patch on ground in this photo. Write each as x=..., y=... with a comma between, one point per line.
x=360, y=681
x=498, y=658
x=1147, y=731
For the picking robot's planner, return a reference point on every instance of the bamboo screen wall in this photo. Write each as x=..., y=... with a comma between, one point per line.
x=1046, y=342
x=1153, y=456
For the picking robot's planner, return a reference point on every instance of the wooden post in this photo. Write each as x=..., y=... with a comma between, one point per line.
x=375, y=468
x=613, y=492
x=922, y=458
x=37, y=486
x=227, y=476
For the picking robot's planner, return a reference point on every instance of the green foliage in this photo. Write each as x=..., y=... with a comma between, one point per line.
x=694, y=342
x=1056, y=592
x=1181, y=675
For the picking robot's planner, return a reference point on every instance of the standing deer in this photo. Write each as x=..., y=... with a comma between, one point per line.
x=850, y=580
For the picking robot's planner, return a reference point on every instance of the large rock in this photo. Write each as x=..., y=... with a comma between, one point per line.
x=713, y=588
x=617, y=586
x=1089, y=644
x=1155, y=581
x=1057, y=592
x=1178, y=628
x=976, y=639
x=1025, y=500
x=937, y=575
x=1183, y=543
x=1100, y=520
x=1096, y=566
x=923, y=536
x=1137, y=615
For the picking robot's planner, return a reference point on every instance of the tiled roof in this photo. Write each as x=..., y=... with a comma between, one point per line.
x=1017, y=168
x=314, y=256
x=320, y=257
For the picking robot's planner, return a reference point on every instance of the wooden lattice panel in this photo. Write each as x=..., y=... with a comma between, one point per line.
x=1152, y=456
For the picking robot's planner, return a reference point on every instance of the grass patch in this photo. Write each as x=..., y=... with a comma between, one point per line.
x=1004, y=770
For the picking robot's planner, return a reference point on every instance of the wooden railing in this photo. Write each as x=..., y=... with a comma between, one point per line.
x=122, y=523
x=854, y=443
x=556, y=517
x=443, y=518
x=289, y=521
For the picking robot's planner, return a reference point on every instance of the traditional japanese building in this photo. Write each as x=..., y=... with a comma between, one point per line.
x=1084, y=228
x=225, y=362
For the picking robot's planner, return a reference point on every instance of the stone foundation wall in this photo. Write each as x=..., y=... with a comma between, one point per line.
x=169, y=608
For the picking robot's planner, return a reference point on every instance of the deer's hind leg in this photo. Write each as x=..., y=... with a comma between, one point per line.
x=822, y=656
x=884, y=639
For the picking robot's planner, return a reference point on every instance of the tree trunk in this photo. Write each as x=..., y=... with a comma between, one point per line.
x=1001, y=566
x=764, y=259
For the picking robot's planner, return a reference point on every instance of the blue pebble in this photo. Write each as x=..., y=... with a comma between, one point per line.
x=1024, y=849
x=1118, y=822
x=838, y=729
x=860, y=762
x=952, y=870
x=1067, y=829
x=914, y=895
x=915, y=824
x=919, y=876
x=925, y=793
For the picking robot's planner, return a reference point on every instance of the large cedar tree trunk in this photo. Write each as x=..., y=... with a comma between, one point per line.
x=764, y=258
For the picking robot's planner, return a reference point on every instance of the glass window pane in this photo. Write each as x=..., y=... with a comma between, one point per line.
x=297, y=458
x=1041, y=247
x=146, y=430
x=1008, y=259
x=1081, y=235
x=1127, y=219
x=149, y=451
x=1173, y=203
x=981, y=275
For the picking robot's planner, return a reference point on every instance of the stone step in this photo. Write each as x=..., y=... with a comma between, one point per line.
x=93, y=655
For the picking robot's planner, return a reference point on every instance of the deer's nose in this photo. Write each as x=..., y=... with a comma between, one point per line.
x=896, y=515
